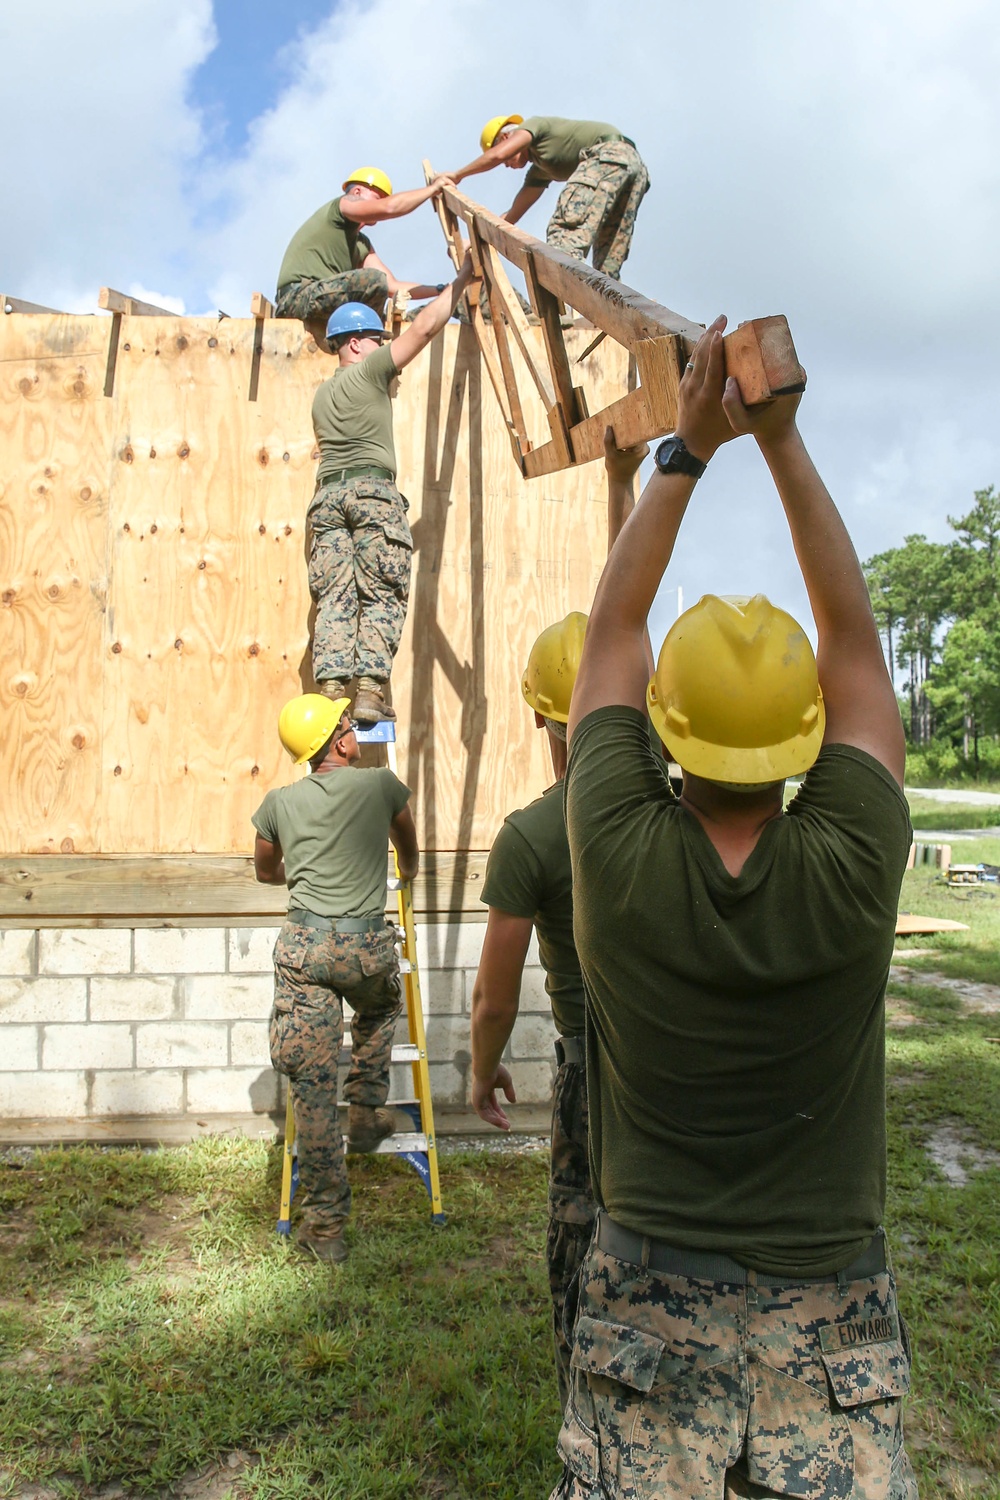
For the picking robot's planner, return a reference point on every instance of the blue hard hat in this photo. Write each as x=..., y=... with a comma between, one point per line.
x=353, y=317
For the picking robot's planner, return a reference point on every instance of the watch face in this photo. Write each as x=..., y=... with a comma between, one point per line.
x=665, y=453
x=672, y=457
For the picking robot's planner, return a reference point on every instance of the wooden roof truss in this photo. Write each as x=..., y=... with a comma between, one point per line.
x=760, y=353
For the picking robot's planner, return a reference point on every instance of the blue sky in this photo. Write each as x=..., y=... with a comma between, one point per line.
x=244, y=73
x=835, y=161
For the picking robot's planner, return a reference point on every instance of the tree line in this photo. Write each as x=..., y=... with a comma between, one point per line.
x=937, y=605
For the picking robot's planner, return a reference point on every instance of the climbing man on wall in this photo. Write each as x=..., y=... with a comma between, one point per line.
x=330, y=262
x=604, y=174
x=529, y=885
x=360, y=544
x=326, y=838
x=737, y=1331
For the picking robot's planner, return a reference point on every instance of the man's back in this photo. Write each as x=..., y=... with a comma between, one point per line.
x=326, y=245
x=737, y=1077
x=334, y=832
x=352, y=415
x=529, y=875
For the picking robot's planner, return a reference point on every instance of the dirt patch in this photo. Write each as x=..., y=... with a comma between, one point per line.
x=984, y=999
x=897, y=1015
x=954, y=1150
x=965, y=1480
x=214, y=1483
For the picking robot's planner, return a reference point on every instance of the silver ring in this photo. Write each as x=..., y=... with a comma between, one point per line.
x=689, y=365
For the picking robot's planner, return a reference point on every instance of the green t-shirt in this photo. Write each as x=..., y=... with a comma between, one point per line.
x=556, y=146
x=529, y=875
x=735, y=1024
x=352, y=415
x=333, y=831
x=326, y=245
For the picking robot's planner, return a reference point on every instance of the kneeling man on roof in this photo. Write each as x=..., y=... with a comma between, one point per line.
x=330, y=262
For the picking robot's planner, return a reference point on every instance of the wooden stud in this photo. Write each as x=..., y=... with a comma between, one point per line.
x=260, y=307
x=519, y=325
x=18, y=305
x=509, y=376
x=117, y=302
x=546, y=307
x=112, y=360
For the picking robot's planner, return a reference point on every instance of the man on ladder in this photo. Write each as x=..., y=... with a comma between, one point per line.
x=326, y=838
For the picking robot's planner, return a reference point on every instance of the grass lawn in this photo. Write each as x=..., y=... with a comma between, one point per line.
x=158, y=1338
x=929, y=815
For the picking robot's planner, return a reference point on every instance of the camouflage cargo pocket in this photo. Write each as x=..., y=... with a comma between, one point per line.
x=378, y=952
x=614, y=1369
x=574, y=206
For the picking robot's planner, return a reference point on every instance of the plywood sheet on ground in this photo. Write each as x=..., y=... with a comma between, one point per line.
x=159, y=608
x=908, y=925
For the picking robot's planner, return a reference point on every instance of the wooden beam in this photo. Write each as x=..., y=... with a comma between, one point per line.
x=625, y=314
x=507, y=370
x=18, y=305
x=114, y=890
x=762, y=357
x=260, y=307
x=111, y=364
x=546, y=307
x=519, y=325
x=446, y=220
x=117, y=302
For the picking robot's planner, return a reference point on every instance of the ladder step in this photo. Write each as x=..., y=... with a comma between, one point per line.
x=402, y=1052
x=395, y=1145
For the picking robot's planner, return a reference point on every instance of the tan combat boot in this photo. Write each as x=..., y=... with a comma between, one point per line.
x=370, y=705
x=327, y=1244
x=333, y=688
x=367, y=1126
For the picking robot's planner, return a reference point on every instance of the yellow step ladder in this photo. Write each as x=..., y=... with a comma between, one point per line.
x=419, y=1146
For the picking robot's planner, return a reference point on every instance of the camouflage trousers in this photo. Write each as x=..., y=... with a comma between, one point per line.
x=314, y=301
x=598, y=206
x=314, y=973
x=360, y=550
x=694, y=1390
x=572, y=1209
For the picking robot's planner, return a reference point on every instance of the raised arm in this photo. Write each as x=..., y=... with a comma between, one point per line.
x=861, y=707
x=403, y=837
x=395, y=206
x=613, y=667
x=430, y=319
x=509, y=145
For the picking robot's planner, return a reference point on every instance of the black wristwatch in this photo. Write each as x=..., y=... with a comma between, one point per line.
x=672, y=457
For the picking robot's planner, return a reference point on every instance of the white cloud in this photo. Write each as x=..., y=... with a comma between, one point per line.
x=99, y=137
x=835, y=161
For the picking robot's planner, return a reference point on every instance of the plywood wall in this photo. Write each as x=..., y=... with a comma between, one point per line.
x=155, y=611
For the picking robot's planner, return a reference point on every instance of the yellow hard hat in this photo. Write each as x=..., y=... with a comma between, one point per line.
x=307, y=722
x=371, y=177
x=736, y=696
x=493, y=127
x=554, y=660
